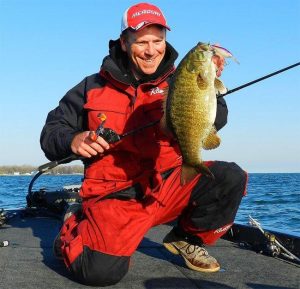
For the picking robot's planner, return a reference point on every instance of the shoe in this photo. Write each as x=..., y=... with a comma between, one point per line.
x=195, y=256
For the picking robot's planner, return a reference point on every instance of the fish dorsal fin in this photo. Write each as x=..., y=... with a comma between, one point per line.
x=219, y=86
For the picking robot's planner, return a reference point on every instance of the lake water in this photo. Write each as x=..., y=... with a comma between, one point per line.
x=272, y=199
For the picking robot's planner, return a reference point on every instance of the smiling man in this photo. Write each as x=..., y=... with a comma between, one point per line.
x=145, y=48
x=134, y=184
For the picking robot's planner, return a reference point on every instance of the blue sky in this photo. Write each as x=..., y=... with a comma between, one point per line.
x=47, y=47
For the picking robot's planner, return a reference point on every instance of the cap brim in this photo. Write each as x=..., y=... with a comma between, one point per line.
x=150, y=23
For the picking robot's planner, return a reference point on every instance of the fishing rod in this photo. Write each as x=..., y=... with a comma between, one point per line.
x=73, y=157
x=108, y=134
x=259, y=79
x=111, y=136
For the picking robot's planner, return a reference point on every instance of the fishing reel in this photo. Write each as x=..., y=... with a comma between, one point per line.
x=271, y=247
x=109, y=135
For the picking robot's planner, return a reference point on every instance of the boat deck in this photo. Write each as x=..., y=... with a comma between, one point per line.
x=28, y=262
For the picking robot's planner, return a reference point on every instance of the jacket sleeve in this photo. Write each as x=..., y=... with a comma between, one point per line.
x=222, y=112
x=63, y=123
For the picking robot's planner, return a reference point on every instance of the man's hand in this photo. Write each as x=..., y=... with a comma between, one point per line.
x=84, y=146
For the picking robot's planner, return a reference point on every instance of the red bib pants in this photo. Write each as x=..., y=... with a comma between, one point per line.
x=97, y=244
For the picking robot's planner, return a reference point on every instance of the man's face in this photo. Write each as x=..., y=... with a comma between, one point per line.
x=145, y=48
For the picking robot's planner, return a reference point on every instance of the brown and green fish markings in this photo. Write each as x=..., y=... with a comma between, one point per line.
x=190, y=108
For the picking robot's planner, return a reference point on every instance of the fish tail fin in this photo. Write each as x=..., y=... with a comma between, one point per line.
x=188, y=173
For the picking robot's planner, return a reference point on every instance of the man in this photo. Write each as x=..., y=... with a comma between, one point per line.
x=134, y=184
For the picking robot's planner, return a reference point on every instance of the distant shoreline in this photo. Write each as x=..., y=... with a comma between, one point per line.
x=26, y=170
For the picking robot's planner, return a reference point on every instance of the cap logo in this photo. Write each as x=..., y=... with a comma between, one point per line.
x=141, y=15
x=138, y=13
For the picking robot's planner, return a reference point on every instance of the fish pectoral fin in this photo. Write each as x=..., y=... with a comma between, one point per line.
x=188, y=173
x=201, y=83
x=219, y=86
x=212, y=141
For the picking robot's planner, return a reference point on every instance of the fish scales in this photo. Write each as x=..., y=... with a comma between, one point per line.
x=191, y=108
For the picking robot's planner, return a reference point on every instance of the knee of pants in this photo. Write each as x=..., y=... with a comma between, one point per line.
x=99, y=269
x=215, y=202
x=232, y=177
x=230, y=181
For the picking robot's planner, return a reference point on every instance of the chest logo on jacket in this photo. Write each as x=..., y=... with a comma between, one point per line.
x=156, y=90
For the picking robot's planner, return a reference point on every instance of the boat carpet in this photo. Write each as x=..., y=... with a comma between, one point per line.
x=28, y=262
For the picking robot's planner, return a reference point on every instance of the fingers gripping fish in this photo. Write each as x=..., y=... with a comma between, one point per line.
x=191, y=105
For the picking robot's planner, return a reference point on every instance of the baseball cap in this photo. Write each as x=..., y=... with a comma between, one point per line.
x=140, y=15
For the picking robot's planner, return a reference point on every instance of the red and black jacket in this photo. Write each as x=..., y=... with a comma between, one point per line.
x=128, y=104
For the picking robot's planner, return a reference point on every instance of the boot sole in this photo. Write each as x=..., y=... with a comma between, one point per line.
x=171, y=248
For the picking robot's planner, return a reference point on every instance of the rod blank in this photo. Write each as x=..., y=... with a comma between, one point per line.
x=259, y=79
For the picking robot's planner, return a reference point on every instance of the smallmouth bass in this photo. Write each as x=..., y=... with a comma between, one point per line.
x=190, y=107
